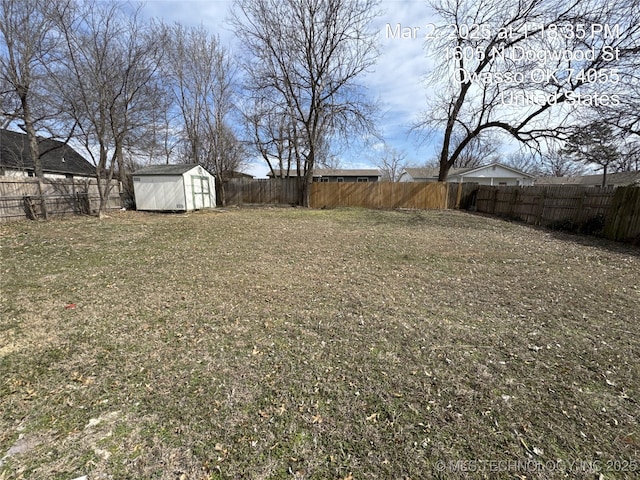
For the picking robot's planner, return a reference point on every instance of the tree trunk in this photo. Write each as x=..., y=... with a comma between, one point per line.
x=43, y=200
x=104, y=179
x=304, y=187
x=34, y=152
x=306, y=191
x=444, y=172
x=220, y=191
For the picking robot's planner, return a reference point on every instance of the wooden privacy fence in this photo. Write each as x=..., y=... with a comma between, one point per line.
x=261, y=191
x=612, y=212
x=20, y=198
x=379, y=195
x=545, y=205
x=350, y=194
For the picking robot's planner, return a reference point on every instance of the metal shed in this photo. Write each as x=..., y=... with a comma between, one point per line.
x=174, y=187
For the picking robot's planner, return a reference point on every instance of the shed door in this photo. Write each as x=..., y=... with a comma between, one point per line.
x=201, y=194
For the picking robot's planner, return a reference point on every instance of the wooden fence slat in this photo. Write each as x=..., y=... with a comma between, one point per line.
x=623, y=221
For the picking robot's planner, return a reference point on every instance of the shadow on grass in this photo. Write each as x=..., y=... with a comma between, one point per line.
x=589, y=235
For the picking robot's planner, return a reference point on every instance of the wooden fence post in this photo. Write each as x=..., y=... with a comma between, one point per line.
x=84, y=205
x=458, y=196
x=43, y=200
x=29, y=208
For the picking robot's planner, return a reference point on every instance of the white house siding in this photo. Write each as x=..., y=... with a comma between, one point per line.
x=496, y=181
x=59, y=176
x=7, y=172
x=495, y=175
x=24, y=174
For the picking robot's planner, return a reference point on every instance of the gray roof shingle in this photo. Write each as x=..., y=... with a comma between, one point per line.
x=56, y=156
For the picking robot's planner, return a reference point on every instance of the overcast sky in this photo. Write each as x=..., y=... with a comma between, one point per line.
x=397, y=79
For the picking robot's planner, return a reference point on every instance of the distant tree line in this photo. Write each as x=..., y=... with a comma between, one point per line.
x=133, y=90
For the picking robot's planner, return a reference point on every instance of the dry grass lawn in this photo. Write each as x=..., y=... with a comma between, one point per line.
x=293, y=343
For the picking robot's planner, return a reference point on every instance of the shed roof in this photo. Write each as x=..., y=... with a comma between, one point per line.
x=166, y=169
x=56, y=156
x=236, y=174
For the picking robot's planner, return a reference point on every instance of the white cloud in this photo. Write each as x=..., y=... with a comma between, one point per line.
x=212, y=14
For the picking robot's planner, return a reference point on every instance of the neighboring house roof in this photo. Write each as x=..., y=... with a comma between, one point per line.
x=346, y=172
x=424, y=174
x=619, y=178
x=235, y=174
x=472, y=172
x=166, y=169
x=429, y=173
x=334, y=172
x=56, y=157
x=278, y=173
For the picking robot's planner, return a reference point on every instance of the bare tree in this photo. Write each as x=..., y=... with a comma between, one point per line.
x=273, y=135
x=482, y=150
x=525, y=69
x=224, y=154
x=624, y=114
x=304, y=57
x=191, y=54
x=630, y=156
x=202, y=79
x=391, y=164
x=160, y=141
x=550, y=163
x=595, y=143
x=525, y=160
x=555, y=163
x=27, y=42
x=108, y=82
x=328, y=155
